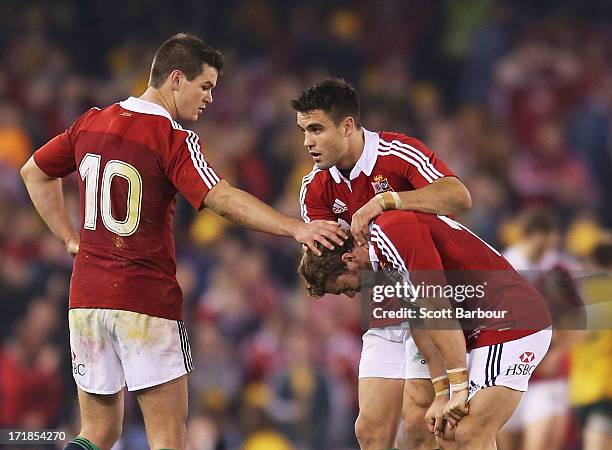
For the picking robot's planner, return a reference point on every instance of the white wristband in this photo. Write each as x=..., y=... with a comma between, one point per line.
x=459, y=387
x=397, y=200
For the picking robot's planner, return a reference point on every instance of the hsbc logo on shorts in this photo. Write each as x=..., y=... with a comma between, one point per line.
x=520, y=369
x=77, y=369
x=525, y=368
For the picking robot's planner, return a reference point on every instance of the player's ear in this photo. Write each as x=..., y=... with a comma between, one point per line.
x=349, y=126
x=348, y=257
x=175, y=79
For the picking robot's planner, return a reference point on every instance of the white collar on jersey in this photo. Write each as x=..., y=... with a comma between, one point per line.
x=366, y=161
x=372, y=253
x=139, y=105
x=373, y=258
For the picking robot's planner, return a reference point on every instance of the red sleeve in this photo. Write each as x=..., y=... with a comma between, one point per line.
x=312, y=203
x=56, y=157
x=187, y=169
x=417, y=163
x=406, y=244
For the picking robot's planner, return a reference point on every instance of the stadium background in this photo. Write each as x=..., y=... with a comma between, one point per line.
x=516, y=97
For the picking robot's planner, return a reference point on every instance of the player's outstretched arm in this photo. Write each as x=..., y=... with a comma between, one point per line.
x=444, y=196
x=243, y=209
x=48, y=199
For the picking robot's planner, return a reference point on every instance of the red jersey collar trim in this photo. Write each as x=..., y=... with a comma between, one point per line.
x=366, y=161
x=139, y=105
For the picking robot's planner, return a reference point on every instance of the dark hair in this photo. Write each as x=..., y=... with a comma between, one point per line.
x=184, y=52
x=334, y=96
x=318, y=270
x=540, y=221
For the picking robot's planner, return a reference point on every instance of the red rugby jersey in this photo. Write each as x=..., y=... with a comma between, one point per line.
x=425, y=248
x=389, y=162
x=132, y=159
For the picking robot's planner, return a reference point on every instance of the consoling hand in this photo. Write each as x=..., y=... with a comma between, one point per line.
x=361, y=220
x=321, y=231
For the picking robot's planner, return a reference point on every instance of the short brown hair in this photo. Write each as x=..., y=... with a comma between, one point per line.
x=318, y=270
x=334, y=96
x=185, y=52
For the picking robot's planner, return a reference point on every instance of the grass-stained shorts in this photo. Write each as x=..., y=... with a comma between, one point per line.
x=114, y=348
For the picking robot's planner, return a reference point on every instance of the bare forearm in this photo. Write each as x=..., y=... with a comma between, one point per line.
x=430, y=353
x=444, y=196
x=445, y=332
x=244, y=209
x=451, y=345
x=48, y=199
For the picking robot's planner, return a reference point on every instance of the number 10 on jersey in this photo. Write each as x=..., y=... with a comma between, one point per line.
x=89, y=169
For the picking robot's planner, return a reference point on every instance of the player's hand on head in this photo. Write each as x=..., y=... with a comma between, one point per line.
x=361, y=221
x=456, y=408
x=434, y=418
x=325, y=232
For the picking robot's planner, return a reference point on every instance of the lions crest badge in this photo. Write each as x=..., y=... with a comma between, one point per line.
x=380, y=184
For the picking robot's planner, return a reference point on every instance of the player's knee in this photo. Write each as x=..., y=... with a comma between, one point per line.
x=417, y=399
x=170, y=437
x=469, y=433
x=447, y=441
x=414, y=428
x=413, y=415
x=372, y=431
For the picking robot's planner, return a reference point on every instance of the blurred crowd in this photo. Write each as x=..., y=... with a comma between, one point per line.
x=515, y=97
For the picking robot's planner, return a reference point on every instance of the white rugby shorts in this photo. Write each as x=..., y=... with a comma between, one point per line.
x=111, y=348
x=391, y=353
x=509, y=364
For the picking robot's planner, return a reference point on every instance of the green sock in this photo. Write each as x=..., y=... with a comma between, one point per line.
x=83, y=443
